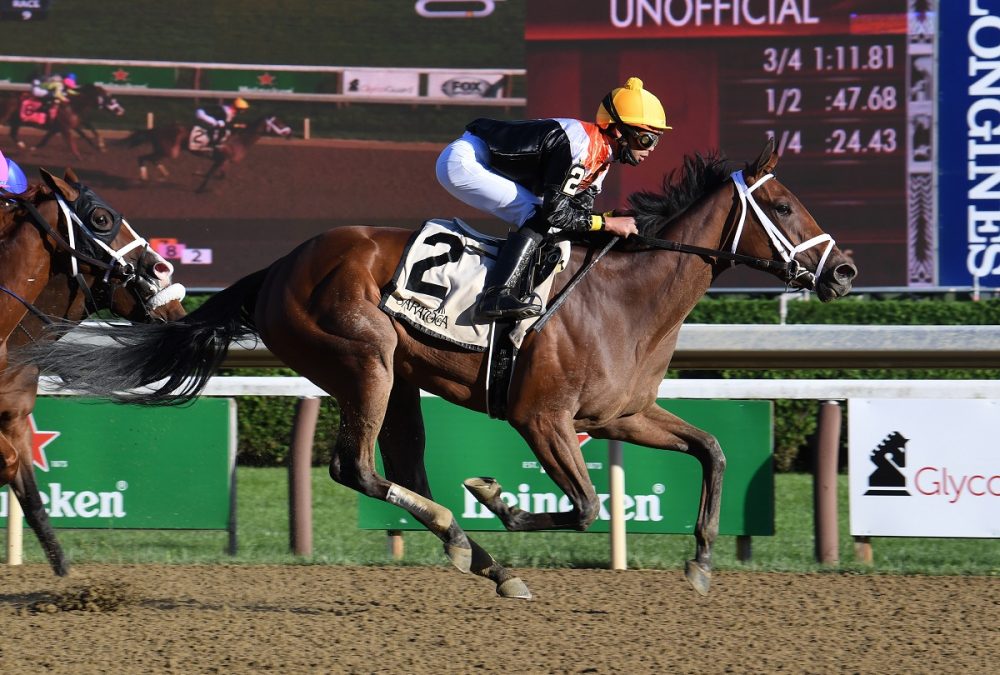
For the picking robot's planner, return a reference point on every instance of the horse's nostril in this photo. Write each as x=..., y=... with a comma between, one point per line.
x=163, y=270
x=845, y=272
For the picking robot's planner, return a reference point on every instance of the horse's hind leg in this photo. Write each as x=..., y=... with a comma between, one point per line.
x=352, y=359
x=401, y=444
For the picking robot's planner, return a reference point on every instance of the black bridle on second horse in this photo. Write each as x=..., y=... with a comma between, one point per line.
x=117, y=272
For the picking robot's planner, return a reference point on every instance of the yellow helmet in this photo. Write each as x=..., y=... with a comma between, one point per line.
x=634, y=106
x=241, y=104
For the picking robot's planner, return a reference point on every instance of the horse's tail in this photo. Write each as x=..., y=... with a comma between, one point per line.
x=172, y=362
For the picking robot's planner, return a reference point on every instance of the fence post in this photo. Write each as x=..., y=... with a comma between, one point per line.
x=15, y=529
x=299, y=476
x=394, y=544
x=616, y=505
x=825, y=483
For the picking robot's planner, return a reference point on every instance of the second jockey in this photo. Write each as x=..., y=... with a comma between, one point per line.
x=214, y=123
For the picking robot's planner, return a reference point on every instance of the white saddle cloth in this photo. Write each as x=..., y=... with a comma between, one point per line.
x=440, y=277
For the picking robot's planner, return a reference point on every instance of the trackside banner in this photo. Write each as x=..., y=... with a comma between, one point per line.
x=969, y=138
x=923, y=468
x=101, y=465
x=662, y=489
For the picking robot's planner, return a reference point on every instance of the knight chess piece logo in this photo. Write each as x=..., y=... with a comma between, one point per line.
x=889, y=459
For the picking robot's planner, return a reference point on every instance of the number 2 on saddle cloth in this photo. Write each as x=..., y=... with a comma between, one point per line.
x=202, y=139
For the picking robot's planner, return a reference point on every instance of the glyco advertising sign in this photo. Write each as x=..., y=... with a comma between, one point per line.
x=101, y=465
x=662, y=488
x=924, y=468
x=969, y=142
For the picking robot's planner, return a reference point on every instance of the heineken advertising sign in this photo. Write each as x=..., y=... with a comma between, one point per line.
x=662, y=488
x=101, y=465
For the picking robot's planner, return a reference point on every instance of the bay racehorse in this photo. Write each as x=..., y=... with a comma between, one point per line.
x=64, y=254
x=167, y=142
x=75, y=117
x=595, y=367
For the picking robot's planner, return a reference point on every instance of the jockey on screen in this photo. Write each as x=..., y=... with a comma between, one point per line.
x=213, y=123
x=546, y=173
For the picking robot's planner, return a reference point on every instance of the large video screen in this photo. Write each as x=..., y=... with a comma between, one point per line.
x=844, y=87
x=371, y=92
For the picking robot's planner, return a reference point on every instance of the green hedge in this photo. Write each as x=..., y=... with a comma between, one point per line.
x=265, y=423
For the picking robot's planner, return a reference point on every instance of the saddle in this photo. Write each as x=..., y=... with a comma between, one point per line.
x=438, y=280
x=207, y=140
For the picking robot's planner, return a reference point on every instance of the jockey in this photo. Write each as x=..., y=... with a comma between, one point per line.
x=54, y=88
x=546, y=173
x=220, y=116
x=70, y=83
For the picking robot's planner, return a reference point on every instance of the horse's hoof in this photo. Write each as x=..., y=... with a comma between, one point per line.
x=484, y=488
x=21, y=145
x=514, y=588
x=460, y=557
x=699, y=577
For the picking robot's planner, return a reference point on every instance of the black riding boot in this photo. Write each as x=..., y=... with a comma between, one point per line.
x=500, y=299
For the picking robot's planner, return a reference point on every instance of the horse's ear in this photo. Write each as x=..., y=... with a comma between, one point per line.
x=60, y=186
x=70, y=175
x=766, y=162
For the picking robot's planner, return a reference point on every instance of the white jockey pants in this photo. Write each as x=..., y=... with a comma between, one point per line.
x=463, y=169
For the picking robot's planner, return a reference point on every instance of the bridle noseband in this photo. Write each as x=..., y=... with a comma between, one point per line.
x=800, y=276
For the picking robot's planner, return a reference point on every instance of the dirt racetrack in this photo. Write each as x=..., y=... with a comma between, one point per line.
x=319, y=619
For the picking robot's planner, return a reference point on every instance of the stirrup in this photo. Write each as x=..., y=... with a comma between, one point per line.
x=488, y=309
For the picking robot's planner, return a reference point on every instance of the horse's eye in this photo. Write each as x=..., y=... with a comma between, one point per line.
x=101, y=220
x=783, y=209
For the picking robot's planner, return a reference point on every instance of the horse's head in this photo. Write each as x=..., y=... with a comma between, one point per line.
x=113, y=266
x=275, y=127
x=105, y=101
x=771, y=222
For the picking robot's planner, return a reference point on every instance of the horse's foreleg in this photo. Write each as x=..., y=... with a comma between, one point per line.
x=15, y=129
x=208, y=176
x=554, y=442
x=657, y=428
x=96, y=142
x=16, y=442
x=401, y=443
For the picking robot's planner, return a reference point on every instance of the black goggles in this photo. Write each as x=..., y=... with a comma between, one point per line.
x=646, y=140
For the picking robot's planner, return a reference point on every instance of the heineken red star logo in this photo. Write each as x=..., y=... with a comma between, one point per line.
x=582, y=438
x=266, y=79
x=40, y=439
x=120, y=75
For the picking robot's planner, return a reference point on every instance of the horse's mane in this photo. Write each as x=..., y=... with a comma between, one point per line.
x=699, y=176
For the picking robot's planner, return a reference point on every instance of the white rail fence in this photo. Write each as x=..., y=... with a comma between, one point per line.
x=714, y=347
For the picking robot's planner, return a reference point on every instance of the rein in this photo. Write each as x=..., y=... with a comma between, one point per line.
x=788, y=268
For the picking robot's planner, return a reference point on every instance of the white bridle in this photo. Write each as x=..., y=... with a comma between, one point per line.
x=171, y=292
x=780, y=241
